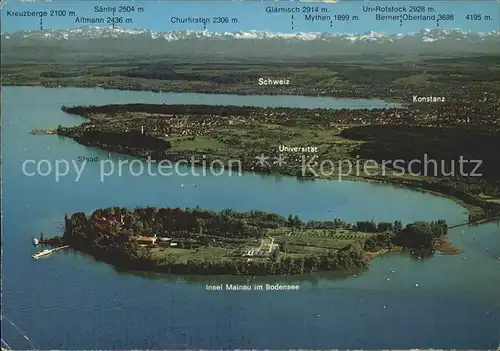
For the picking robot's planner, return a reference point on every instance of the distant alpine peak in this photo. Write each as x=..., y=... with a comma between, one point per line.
x=425, y=35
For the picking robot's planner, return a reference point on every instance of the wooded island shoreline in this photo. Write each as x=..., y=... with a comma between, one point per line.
x=205, y=242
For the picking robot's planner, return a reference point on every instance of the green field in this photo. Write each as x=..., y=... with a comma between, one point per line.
x=200, y=144
x=395, y=77
x=308, y=241
x=295, y=243
x=205, y=254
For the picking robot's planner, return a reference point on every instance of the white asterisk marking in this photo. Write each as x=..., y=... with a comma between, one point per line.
x=280, y=160
x=262, y=160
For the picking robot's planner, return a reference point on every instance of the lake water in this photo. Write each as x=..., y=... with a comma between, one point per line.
x=70, y=301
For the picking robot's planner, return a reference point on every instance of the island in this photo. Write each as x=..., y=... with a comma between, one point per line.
x=206, y=242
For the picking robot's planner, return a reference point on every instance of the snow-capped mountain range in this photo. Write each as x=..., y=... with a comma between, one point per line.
x=425, y=35
x=106, y=42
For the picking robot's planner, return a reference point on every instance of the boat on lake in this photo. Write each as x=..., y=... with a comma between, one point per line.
x=35, y=241
x=47, y=252
x=40, y=254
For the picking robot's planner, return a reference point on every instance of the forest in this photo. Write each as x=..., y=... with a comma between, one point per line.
x=113, y=110
x=445, y=145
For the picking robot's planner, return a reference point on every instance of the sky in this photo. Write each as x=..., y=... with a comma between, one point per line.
x=252, y=15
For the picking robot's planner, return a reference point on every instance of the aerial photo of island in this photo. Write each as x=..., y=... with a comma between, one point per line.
x=299, y=180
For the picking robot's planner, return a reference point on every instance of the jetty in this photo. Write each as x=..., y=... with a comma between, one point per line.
x=475, y=223
x=47, y=252
x=43, y=132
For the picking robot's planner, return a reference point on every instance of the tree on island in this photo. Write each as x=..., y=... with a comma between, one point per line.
x=398, y=226
x=422, y=234
x=294, y=221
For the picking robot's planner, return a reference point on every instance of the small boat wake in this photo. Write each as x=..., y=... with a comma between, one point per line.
x=6, y=346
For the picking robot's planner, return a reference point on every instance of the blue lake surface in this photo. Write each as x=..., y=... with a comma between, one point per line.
x=70, y=301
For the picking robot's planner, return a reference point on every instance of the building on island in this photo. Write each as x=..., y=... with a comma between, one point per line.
x=106, y=222
x=266, y=248
x=146, y=240
x=164, y=241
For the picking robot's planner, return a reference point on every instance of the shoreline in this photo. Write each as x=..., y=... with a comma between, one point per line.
x=474, y=205
x=470, y=207
x=466, y=206
x=401, y=103
x=446, y=247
